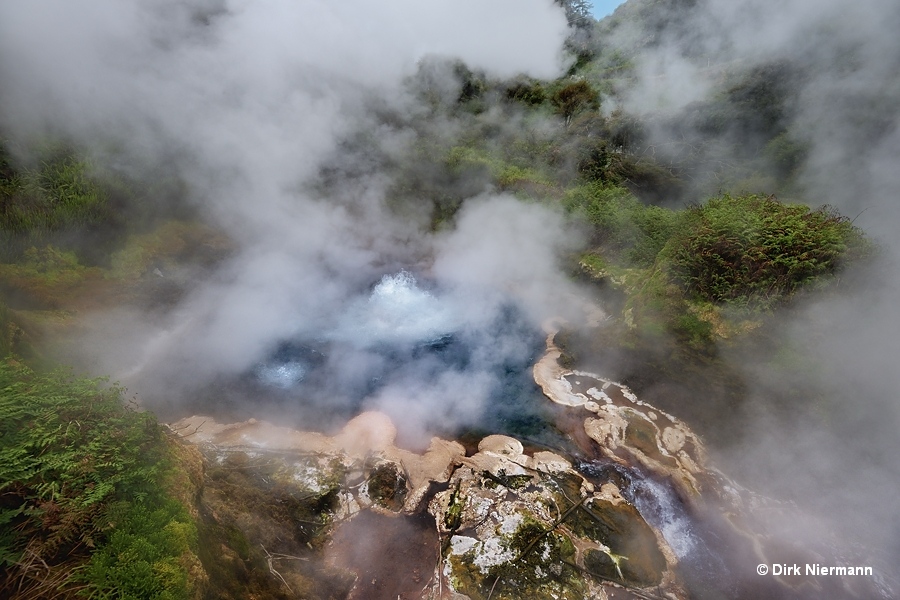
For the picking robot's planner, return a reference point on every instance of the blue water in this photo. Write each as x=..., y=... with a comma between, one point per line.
x=409, y=335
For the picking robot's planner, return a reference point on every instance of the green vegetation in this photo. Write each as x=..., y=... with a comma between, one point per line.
x=573, y=98
x=680, y=269
x=81, y=505
x=46, y=278
x=87, y=503
x=387, y=486
x=528, y=92
x=756, y=250
x=628, y=231
x=60, y=194
x=541, y=566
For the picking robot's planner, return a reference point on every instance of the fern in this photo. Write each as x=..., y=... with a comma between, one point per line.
x=80, y=471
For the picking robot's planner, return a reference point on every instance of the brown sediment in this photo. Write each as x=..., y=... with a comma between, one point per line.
x=391, y=557
x=619, y=425
x=367, y=435
x=304, y=511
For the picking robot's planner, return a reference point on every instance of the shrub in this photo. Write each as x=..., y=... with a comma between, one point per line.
x=527, y=92
x=574, y=98
x=630, y=231
x=754, y=249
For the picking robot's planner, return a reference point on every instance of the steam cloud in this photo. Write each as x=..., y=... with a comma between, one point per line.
x=842, y=104
x=253, y=98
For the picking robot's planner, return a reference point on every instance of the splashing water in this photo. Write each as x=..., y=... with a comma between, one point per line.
x=397, y=311
x=658, y=505
x=281, y=375
x=394, y=325
x=402, y=345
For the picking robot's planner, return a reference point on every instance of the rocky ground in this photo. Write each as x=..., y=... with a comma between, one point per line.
x=300, y=514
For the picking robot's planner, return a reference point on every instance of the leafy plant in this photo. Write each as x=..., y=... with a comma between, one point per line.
x=624, y=227
x=80, y=471
x=528, y=92
x=575, y=97
x=754, y=249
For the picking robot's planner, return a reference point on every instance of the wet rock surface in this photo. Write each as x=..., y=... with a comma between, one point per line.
x=296, y=509
x=624, y=428
x=519, y=526
x=300, y=514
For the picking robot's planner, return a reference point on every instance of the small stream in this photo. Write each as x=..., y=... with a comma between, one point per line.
x=695, y=545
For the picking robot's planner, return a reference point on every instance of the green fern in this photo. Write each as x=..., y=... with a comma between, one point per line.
x=80, y=475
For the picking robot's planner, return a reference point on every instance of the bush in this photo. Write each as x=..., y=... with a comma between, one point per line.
x=527, y=92
x=624, y=228
x=144, y=556
x=754, y=249
x=574, y=98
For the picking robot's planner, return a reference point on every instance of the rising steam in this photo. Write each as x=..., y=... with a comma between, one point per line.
x=253, y=99
x=837, y=64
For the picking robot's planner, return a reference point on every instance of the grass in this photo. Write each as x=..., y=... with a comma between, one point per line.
x=47, y=277
x=59, y=194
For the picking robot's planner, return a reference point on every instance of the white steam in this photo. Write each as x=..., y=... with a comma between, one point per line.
x=843, y=105
x=251, y=98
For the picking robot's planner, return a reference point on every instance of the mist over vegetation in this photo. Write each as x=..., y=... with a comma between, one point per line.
x=184, y=186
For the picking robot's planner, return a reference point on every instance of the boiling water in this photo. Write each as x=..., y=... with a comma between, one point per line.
x=397, y=312
x=401, y=336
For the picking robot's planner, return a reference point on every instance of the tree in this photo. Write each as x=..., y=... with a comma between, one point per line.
x=578, y=12
x=575, y=97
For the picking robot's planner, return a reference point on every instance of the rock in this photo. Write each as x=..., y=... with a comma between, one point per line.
x=367, y=437
x=623, y=427
x=525, y=526
x=501, y=444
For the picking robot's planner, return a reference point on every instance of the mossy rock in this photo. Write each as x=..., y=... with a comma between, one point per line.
x=252, y=509
x=247, y=493
x=387, y=486
x=539, y=565
x=512, y=482
x=453, y=517
x=621, y=528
